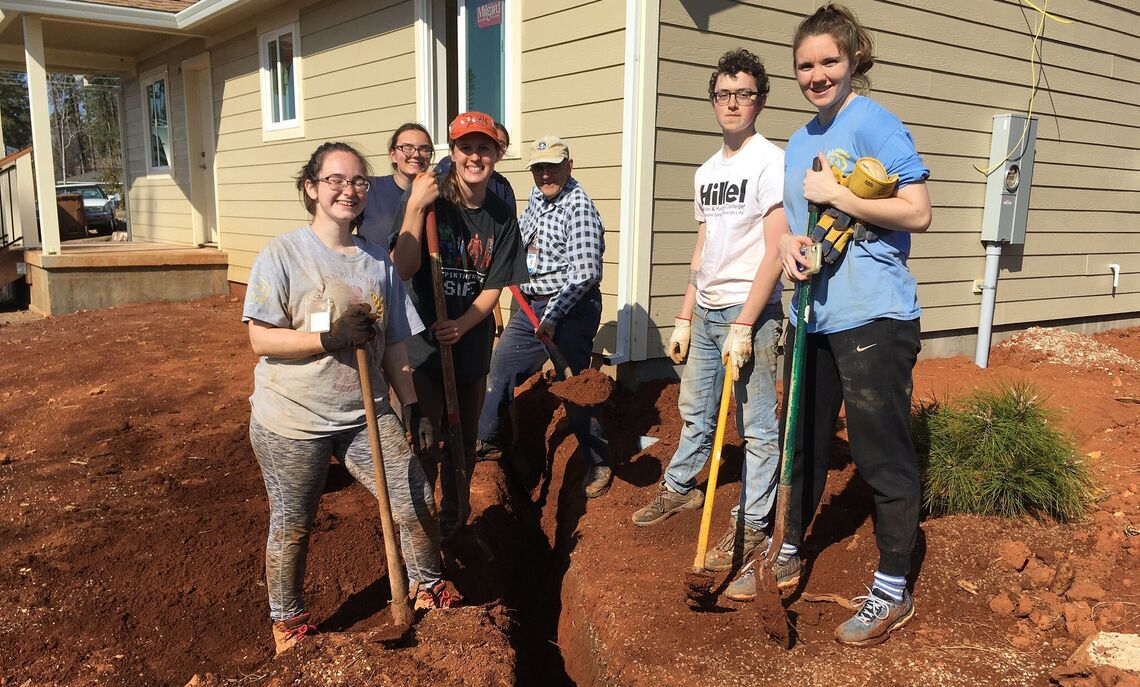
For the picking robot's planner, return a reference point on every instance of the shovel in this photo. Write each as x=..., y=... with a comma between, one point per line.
x=698, y=581
x=589, y=388
x=771, y=607
x=451, y=394
x=401, y=605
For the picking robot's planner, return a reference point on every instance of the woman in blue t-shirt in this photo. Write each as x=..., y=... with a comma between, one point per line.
x=410, y=151
x=863, y=328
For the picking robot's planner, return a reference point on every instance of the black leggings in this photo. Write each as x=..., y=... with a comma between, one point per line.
x=869, y=370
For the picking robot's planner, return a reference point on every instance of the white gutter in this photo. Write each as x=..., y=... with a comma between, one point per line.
x=126, y=16
x=637, y=155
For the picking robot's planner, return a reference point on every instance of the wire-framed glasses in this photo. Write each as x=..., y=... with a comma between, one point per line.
x=743, y=97
x=337, y=182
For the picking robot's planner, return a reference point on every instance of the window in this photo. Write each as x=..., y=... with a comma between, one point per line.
x=280, y=79
x=157, y=124
x=466, y=61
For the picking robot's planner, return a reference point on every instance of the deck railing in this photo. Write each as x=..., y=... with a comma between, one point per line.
x=18, y=201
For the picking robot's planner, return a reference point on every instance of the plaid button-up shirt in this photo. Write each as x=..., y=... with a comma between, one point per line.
x=563, y=239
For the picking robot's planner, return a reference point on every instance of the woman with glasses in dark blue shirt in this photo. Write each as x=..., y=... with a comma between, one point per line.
x=410, y=151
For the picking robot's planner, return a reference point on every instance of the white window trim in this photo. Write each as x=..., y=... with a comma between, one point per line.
x=431, y=82
x=290, y=128
x=145, y=80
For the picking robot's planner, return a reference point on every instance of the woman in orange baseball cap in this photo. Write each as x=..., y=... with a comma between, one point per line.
x=479, y=251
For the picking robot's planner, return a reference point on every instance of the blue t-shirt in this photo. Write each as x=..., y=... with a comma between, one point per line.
x=871, y=281
x=383, y=201
x=497, y=184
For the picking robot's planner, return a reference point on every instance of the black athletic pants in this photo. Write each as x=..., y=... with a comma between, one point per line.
x=868, y=369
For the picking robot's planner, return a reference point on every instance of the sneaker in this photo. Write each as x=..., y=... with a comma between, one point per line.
x=874, y=622
x=287, y=633
x=597, y=481
x=665, y=503
x=438, y=595
x=487, y=451
x=743, y=588
x=735, y=547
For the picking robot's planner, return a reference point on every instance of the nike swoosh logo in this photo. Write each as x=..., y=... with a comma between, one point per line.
x=860, y=349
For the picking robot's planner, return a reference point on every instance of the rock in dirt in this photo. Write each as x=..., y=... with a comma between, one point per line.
x=1105, y=659
x=1014, y=555
x=1037, y=576
x=1078, y=620
x=1085, y=591
x=1002, y=604
x=5, y=458
x=1066, y=573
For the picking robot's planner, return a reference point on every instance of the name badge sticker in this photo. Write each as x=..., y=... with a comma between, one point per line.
x=531, y=258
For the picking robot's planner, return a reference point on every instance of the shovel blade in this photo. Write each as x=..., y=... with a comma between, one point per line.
x=772, y=614
x=699, y=588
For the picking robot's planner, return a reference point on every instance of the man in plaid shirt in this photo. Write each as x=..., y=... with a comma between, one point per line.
x=563, y=239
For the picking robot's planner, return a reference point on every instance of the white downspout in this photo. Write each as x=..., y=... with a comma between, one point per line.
x=630, y=180
x=989, y=298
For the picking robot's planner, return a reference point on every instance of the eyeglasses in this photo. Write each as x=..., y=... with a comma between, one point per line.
x=409, y=150
x=744, y=97
x=337, y=183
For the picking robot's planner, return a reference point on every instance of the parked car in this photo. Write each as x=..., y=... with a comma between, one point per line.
x=97, y=205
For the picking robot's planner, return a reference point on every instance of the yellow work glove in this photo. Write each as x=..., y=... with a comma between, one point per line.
x=678, y=348
x=869, y=179
x=738, y=347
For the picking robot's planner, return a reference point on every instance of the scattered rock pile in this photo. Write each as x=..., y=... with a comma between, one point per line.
x=1062, y=347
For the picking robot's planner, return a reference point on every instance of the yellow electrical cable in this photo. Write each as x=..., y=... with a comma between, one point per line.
x=1034, y=79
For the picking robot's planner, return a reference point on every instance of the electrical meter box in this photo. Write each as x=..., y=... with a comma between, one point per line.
x=1007, y=187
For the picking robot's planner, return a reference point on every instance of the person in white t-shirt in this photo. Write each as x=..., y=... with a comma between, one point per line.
x=731, y=314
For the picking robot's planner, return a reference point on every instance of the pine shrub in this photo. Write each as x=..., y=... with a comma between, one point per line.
x=999, y=452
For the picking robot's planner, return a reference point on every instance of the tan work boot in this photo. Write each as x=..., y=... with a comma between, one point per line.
x=287, y=633
x=665, y=503
x=735, y=547
x=597, y=480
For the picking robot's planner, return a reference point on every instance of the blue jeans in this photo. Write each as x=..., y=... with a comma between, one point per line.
x=519, y=354
x=756, y=409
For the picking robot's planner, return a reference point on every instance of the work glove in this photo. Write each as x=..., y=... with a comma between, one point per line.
x=355, y=327
x=418, y=428
x=738, y=347
x=869, y=179
x=678, y=348
x=832, y=232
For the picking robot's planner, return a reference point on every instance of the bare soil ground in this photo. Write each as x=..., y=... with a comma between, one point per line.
x=133, y=518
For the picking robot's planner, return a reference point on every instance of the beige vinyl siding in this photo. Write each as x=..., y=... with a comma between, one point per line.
x=159, y=202
x=572, y=69
x=358, y=85
x=945, y=68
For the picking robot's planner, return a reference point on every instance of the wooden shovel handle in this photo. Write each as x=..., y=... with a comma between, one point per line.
x=401, y=605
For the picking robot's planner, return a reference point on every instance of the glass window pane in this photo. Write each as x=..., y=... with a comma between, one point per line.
x=288, y=99
x=485, y=58
x=159, y=128
x=274, y=75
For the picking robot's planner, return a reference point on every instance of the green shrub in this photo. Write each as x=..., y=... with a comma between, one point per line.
x=999, y=452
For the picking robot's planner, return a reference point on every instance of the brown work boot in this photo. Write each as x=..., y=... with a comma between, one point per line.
x=597, y=480
x=287, y=633
x=666, y=503
x=735, y=547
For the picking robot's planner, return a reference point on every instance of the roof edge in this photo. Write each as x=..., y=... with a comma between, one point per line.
x=127, y=16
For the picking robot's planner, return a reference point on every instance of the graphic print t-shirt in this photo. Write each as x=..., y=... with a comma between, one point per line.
x=479, y=249
x=299, y=283
x=731, y=196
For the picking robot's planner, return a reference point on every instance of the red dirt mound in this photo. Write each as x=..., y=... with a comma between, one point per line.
x=587, y=388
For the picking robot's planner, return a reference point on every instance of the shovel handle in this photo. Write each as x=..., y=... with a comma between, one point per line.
x=401, y=606
x=714, y=468
x=447, y=363
x=556, y=356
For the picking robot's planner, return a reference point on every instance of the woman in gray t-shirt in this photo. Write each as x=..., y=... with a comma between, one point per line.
x=316, y=294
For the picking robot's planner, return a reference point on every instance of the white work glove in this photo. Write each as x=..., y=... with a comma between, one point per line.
x=738, y=347
x=678, y=348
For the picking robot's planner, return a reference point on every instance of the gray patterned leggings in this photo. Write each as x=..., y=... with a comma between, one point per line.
x=295, y=470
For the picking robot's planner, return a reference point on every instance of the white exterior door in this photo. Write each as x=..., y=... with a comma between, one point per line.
x=200, y=140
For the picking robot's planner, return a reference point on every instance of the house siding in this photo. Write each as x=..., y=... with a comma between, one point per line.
x=945, y=68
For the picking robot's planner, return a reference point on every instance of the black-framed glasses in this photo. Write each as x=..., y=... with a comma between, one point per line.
x=338, y=182
x=743, y=97
x=409, y=150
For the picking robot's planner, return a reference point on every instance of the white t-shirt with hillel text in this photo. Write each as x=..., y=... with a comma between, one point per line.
x=297, y=282
x=731, y=195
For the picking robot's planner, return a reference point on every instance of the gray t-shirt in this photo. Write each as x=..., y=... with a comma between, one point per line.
x=294, y=282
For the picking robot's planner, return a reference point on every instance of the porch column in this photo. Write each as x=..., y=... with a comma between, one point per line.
x=41, y=132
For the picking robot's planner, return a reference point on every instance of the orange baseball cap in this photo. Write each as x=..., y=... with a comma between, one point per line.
x=472, y=123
